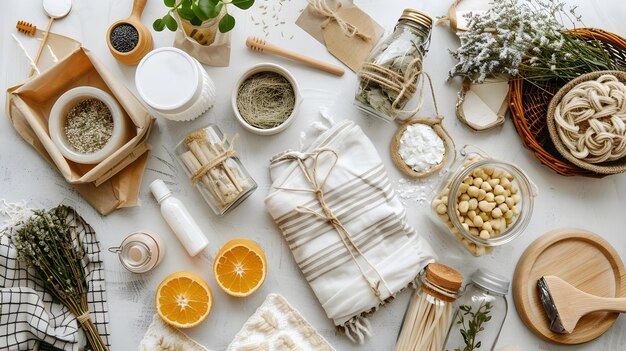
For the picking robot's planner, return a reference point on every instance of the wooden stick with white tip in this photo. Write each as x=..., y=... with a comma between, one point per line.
x=261, y=45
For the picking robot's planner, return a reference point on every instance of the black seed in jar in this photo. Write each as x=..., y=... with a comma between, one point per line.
x=124, y=37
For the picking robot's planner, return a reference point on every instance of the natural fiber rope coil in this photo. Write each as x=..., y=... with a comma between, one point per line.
x=591, y=120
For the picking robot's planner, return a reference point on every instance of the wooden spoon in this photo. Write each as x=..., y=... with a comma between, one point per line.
x=144, y=43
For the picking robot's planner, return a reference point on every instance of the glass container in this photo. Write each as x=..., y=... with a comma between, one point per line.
x=503, y=215
x=140, y=251
x=483, y=303
x=388, y=78
x=212, y=165
x=430, y=310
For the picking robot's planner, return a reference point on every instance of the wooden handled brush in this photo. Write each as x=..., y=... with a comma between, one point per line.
x=261, y=45
x=565, y=304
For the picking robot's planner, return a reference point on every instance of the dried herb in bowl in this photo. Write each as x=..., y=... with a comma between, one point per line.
x=89, y=126
x=266, y=99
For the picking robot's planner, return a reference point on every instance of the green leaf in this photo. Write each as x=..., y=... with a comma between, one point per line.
x=215, y=9
x=170, y=22
x=201, y=9
x=186, y=13
x=158, y=24
x=170, y=3
x=227, y=23
x=243, y=4
x=196, y=21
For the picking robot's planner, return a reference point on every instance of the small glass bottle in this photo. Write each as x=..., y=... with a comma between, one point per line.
x=140, y=251
x=429, y=313
x=179, y=219
x=394, y=62
x=483, y=303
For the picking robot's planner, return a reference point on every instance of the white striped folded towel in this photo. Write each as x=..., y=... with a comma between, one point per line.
x=346, y=228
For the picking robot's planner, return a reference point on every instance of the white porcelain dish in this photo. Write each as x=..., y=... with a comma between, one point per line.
x=174, y=84
x=58, y=117
x=265, y=67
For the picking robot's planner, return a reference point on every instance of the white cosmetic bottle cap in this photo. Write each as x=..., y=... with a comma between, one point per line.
x=160, y=190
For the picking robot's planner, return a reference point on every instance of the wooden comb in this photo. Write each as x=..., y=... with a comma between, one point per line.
x=26, y=28
x=261, y=45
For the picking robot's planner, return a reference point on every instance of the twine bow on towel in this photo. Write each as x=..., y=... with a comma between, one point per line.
x=218, y=160
x=317, y=188
x=321, y=8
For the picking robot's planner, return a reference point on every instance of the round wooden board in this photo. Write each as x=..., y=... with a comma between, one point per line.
x=581, y=258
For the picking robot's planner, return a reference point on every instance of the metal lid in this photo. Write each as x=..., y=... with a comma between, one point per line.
x=417, y=17
x=491, y=281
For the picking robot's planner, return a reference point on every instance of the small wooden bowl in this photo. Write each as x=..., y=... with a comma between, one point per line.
x=395, y=147
x=144, y=42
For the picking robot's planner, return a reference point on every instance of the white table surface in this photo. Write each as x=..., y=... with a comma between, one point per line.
x=597, y=205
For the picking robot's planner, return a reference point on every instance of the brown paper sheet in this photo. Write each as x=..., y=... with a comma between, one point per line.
x=352, y=51
x=114, y=182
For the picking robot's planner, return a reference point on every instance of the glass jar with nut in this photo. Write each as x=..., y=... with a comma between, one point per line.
x=484, y=202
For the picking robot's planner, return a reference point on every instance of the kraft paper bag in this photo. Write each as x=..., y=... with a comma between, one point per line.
x=352, y=50
x=113, y=183
x=217, y=54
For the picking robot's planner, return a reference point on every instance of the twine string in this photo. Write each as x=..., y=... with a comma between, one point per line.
x=321, y=8
x=218, y=160
x=83, y=318
x=591, y=120
x=317, y=188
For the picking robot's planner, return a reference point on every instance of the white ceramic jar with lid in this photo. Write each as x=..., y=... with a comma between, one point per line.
x=174, y=84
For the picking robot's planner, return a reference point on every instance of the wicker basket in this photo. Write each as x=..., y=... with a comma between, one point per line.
x=605, y=168
x=529, y=108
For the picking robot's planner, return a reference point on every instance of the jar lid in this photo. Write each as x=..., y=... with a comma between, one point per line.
x=491, y=281
x=167, y=78
x=417, y=17
x=444, y=276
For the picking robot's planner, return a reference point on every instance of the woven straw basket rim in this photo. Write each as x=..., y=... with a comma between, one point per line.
x=612, y=167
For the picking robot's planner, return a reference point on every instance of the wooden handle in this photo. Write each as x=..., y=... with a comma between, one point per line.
x=138, y=6
x=41, y=46
x=309, y=61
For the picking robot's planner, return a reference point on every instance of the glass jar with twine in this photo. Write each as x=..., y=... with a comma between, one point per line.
x=389, y=77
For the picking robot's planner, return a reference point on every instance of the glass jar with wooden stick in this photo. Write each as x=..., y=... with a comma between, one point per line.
x=429, y=313
x=212, y=164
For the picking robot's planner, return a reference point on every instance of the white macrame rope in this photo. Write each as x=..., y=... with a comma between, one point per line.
x=591, y=120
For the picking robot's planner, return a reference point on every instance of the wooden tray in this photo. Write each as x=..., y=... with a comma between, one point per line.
x=581, y=258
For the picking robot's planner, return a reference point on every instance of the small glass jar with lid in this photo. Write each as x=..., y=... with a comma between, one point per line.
x=388, y=78
x=482, y=304
x=483, y=202
x=213, y=166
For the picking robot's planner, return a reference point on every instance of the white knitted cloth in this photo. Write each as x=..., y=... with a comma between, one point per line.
x=277, y=326
x=162, y=337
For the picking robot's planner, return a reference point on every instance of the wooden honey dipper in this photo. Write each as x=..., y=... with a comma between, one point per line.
x=26, y=28
x=261, y=45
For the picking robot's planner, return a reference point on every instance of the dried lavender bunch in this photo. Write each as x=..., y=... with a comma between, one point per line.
x=527, y=39
x=49, y=243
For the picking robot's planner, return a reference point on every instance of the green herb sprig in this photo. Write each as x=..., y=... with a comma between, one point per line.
x=198, y=11
x=48, y=242
x=475, y=324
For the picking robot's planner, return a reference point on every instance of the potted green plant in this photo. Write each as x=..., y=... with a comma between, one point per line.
x=200, y=19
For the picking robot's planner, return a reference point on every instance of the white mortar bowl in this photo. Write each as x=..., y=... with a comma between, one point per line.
x=267, y=67
x=58, y=117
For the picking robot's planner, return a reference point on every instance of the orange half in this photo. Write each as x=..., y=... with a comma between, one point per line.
x=183, y=300
x=240, y=267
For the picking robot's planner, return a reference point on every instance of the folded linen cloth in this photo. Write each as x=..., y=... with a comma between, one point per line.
x=346, y=228
x=277, y=326
x=29, y=318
